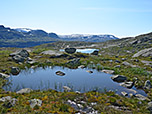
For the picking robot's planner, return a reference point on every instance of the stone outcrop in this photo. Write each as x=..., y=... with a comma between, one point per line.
x=147, y=84
x=145, y=53
x=8, y=101
x=108, y=71
x=35, y=102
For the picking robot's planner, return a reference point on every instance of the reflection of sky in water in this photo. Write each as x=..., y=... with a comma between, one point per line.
x=83, y=50
x=77, y=79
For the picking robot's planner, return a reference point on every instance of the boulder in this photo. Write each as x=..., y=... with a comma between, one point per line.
x=117, y=66
x=70, y=50
x=2, y=75
x=18, y=58
x=145, y=53
x=108, y=71
x=119, y=78
x=25, y=90
x=60, y=73
x=35, y=102
x=8, y=101
x=95, y=52
x=15, y=70
x=147, y=84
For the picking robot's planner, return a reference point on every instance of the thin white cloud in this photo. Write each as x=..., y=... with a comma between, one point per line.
x=116, y=9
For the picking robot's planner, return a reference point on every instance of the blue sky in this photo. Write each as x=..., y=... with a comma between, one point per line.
x=121, y=18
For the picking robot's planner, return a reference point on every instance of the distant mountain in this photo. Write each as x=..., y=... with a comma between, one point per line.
x=87, y=38
x=20, y=36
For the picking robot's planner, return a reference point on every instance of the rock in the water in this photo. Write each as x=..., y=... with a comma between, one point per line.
x=128, y=85
x=70, y=50
x=8, y=101
x=15, y=70
x=89, y=71
x=66, y=88
x=147, y=84
x=144, y=53
x=119, y=78
x=34, y=102
x=95, y=52
x=124, y=93
x=60, y=73
x=25, y=90
x=108, y=71
x=2, y=75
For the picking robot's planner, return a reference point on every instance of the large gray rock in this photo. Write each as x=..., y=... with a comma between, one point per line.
x=25, y=90
x=141, y=97
x=145, y=53
x=147, y=84
x=8, y=101
x=34, y=102
x=2, y=75
x=119, y=78
x=70, y=50
x=15, y=70
x=20, y=56
x=147, y=62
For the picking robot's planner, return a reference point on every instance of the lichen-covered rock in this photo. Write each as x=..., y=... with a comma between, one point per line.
x=119, y=78
x=34, y=102
x=70, y=50
x=8, y=101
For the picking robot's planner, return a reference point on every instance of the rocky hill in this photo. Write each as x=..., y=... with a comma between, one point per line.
x=25, y=37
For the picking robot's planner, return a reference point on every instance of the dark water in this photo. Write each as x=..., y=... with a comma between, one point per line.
x=77, y=79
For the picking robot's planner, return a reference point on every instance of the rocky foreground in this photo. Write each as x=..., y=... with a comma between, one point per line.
x=131, y=66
